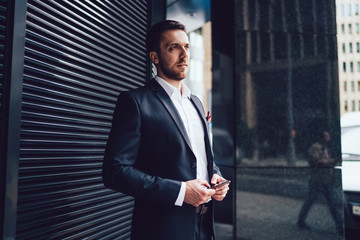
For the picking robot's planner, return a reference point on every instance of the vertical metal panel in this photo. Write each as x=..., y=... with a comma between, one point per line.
x=3, y=20
x=3, y=125
x=13, y=63
x=79, y=55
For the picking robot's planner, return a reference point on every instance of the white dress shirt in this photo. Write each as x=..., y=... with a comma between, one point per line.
x=194, y=129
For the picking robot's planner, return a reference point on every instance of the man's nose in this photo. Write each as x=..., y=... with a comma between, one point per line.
x=184, y=52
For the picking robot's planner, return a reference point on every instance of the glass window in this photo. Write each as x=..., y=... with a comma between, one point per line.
x=342, y=28
x=349, y=10
x=358, y=66
x=356, y=27
x=358, y=86
x=345, y=86
x=351, y=67
x=350, y=47
x=353, y=105
x=343, y=48
x=359, y=105
x=346, y=106
x=350, y=28
x=352, y=86
x=358, y=47
x=342, y=10
x=344, y=66
x=356, y=9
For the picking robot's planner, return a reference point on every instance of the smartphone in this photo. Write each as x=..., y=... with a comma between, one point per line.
x=221, y=184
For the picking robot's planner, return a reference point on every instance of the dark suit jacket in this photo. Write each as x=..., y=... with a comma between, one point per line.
x=147, y=156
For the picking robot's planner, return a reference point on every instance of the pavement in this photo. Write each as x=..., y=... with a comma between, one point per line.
x=224, y=231
x=271, y=217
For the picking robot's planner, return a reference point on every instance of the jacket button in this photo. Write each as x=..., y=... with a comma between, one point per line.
x=194, y=165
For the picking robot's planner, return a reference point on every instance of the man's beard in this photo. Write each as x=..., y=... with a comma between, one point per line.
x=178, y=76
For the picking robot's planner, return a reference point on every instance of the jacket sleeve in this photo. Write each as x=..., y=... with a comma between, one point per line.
x=119, y=166
x=216, y=170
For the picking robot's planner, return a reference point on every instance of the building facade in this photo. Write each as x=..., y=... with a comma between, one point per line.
x=348, y=35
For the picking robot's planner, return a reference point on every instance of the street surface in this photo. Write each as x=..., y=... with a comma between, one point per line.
x=269, y=217
x=275, y=218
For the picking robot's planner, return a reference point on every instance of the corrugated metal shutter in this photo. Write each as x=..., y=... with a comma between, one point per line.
x=79, y=56
x=3, y=20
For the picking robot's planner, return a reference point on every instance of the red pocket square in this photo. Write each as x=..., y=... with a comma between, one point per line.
x=208, y=117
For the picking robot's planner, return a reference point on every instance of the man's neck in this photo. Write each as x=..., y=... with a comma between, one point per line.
x=176, y=83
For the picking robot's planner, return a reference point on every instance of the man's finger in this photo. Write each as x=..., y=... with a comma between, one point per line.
x=222, y=191
x=211, y=191
x=219, y=197
x=205, y=183
x=214, y=179
x=222, y=187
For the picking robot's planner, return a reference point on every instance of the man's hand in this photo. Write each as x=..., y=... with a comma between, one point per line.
x=221, y=191
x=198, y=192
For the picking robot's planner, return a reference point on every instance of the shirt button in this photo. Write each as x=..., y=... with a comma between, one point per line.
x=194, y=165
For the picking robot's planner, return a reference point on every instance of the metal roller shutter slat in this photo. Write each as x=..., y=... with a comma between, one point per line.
x=79, y=56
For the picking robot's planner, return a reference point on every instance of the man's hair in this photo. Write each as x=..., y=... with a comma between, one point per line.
x=154, y=35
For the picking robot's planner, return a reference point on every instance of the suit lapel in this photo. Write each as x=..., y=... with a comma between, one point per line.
x=170, y=107
x=198, y=108
x=201, y=113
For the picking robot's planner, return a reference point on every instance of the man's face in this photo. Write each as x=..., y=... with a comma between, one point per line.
x=172, y=60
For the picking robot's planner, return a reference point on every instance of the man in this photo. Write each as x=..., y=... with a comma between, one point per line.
x=159, y=150
x=322, y=180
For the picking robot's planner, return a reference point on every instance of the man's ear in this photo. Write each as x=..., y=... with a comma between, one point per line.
x=154, y=57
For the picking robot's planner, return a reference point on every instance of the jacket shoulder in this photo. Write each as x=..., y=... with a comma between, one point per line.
x=136, y=93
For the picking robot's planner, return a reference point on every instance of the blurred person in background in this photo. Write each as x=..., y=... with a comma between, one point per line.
x=322, y=180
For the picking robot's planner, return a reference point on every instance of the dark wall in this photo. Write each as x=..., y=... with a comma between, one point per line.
x=223, y=103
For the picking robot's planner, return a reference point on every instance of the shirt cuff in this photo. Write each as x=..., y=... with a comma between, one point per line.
x=180, y=199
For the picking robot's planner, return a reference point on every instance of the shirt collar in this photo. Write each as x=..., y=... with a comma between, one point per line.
x=170, y=89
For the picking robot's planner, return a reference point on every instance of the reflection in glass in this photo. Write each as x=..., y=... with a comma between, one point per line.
x=269, y=201
x=322, y=181
x=286, y=75
x=288, y=83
